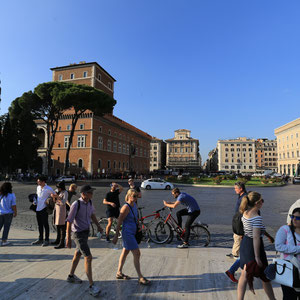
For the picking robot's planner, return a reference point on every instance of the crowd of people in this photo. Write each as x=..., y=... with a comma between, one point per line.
x=72, y=221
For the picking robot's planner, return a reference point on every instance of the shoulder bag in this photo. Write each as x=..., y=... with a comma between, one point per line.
x=139, y=233
x=237, y=224
x=285, y=272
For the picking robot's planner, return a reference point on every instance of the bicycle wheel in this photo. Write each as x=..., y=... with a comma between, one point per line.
x=199, y=236
x=92, y=230
x=161, y=233
x=103, y=223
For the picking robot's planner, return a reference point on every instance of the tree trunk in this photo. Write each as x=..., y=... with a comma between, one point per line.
x=74, y=122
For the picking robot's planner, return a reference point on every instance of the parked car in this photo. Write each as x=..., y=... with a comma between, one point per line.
x=156, y=183
x=65, y=179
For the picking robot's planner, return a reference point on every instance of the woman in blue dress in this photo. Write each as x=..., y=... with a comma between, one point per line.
x=127, y=218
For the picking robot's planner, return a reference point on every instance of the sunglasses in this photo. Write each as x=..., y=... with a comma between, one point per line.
x=297, y=218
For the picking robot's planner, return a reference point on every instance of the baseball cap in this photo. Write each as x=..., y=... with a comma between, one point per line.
x=86, y=189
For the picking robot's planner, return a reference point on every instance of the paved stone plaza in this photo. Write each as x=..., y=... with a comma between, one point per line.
x=33, y=272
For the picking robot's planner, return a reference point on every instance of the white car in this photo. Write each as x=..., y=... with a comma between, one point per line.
x=65, y=179
x=156, y=183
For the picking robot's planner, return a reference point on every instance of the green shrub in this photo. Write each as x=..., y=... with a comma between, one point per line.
x=217, y=179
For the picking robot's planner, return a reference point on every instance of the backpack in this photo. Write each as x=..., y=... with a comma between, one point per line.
x=237, y=224
x=78, y=206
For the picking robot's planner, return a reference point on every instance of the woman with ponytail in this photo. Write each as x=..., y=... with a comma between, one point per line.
x=287, y=242
x=253, y=259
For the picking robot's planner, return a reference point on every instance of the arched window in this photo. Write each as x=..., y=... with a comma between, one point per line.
x=80, y=163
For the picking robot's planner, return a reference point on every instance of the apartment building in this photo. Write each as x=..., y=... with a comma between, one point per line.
x=211, y=164
x=101, y=145
x=157, y=154
x=236, y=155
x=183, y=152
x=266, y=155
x=288, y=141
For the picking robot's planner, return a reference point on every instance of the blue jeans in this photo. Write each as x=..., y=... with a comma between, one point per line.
x=235, y=266
x=6, y=221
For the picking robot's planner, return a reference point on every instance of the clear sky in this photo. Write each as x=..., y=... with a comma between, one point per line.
x=220, y=68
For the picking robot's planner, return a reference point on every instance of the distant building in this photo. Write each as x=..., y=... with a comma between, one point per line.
x=157, y=154
x=101, y=145
x=288, y=141
x=236, y=155
x=266, y=155
x=183, y=152
x=211, y=165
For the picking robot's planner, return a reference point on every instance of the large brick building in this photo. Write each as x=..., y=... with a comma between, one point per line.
x=101, y=145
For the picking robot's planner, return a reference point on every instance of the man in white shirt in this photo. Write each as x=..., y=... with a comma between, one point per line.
x=43, y=192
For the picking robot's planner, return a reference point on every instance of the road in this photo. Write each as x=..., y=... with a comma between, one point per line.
x=216, y=203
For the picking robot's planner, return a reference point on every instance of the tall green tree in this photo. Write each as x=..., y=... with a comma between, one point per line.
x=83, y=99
x=25, y=136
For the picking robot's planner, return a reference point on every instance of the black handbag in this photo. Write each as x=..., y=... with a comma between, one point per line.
x=237, y=224
x=139, y=233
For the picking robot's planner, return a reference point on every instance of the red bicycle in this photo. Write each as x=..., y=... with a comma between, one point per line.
x=199, y=234
x=152, y=225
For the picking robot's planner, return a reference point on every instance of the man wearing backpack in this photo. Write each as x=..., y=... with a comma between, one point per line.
x=240, y=190
x=81, y=213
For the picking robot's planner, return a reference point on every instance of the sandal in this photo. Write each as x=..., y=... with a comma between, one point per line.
x=122, y=276
x=144, y=281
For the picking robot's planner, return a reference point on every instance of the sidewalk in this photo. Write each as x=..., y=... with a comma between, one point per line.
x=35, y=272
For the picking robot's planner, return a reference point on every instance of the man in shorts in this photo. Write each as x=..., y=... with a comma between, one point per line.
x=192, y=210
x=113, y=206
x=79, y=219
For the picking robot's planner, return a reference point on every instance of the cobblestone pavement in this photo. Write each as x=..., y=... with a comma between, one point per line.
x=216, y=205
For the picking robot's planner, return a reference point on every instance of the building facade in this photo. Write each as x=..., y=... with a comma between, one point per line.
x=157, y=155
x=211, y=164
x=266, y=155
x=288, y=142
x=101, y=145
x=236, y=155
x=183, y=152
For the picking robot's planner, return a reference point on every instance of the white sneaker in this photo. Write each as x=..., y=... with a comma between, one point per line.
x=5, y=243
x=94, y=290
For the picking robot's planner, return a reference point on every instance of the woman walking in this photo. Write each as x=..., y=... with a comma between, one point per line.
x=60, y=214
x=8, y=210
x=253, y=259
x=287, y=243
x=128, y=220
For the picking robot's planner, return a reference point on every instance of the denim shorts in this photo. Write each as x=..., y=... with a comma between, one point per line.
x=81, y=242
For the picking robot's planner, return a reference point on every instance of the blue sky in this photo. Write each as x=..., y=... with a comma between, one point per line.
x=220, y=68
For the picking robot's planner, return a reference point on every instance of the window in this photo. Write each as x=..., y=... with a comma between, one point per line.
x=81, y=126
x=80, y=163
x=72, y=76
x=58, y=145
x=127, y=150
x=114, y=164
x=109, y=132
x=99, y=77
x=60, y=77
x=124, y=150
x=81, y=141
x=100, y=142
x=109, y=145
x=68, y=127
x=115, y=147
x=59, y=128
x=100, y=128
x=120, y=148
x=99, y=164
x=141, y=152
x=84, y=74
x=108, y=164
x=109, y=85
x=66, y=141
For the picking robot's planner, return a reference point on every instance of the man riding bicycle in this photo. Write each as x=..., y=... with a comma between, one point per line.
x=192, y=211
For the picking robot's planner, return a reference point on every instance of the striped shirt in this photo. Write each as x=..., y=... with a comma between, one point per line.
x=255, y=222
